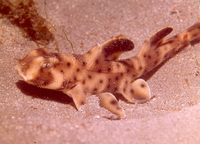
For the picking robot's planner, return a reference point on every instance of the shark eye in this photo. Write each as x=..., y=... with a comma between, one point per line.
x=46, y=65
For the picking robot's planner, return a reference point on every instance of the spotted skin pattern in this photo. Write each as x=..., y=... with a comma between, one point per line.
x=100, y=72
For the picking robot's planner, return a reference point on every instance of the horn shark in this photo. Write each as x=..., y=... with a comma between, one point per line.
x=100, y=71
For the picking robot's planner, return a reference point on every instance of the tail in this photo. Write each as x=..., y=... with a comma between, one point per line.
x=157, y=50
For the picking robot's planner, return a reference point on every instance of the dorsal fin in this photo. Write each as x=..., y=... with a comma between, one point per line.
x=112, y=49
x=158, y=37
x=155, y=40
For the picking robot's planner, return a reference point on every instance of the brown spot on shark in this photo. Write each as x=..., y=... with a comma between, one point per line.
x=101, y=72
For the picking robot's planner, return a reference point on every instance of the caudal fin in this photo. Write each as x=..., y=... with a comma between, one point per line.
x=156, y=50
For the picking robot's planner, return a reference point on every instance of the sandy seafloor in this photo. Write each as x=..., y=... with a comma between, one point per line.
x=30, y=115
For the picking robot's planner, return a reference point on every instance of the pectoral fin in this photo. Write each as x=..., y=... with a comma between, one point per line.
x=109, y=102
x=78, y=96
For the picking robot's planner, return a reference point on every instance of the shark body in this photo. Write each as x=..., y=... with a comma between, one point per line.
x=101, y=72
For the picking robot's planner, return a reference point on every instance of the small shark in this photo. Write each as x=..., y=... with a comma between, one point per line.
x=100, y=72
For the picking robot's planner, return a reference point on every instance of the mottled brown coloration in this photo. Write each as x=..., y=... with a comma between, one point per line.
x=100, y=72
x=24, y=15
